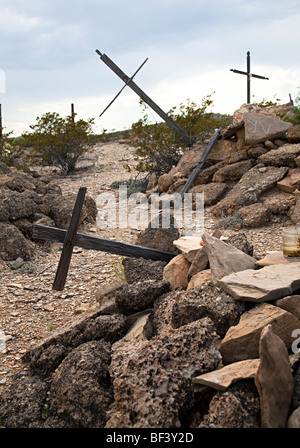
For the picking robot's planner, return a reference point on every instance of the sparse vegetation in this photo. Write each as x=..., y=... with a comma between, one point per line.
x=159, y=147
x=59, y=141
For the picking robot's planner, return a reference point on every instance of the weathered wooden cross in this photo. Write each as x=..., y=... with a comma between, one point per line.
x=249, y=76
x=130, y=83
x=71, y=238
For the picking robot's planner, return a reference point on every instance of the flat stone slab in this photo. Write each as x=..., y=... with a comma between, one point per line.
x=265, y=284
x=276, y=257
x=223, y=378
x=189, y=246
x=259, y=127
x=242, y=340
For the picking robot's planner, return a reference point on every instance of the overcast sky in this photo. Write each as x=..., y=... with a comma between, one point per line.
x=48, y=58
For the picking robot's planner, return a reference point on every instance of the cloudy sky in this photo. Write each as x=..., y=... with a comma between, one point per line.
x=48, y=58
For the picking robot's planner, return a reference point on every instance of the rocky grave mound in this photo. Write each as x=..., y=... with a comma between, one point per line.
x=161, y=350
x=252, y=174
x=28, y=199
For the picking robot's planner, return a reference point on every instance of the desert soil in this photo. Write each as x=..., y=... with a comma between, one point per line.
x=30, y=309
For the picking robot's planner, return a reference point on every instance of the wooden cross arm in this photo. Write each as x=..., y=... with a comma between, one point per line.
x=101, y=244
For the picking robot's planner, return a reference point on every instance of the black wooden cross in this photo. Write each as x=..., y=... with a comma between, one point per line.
x=249, y=76
x=71, y=238
x=130, y=83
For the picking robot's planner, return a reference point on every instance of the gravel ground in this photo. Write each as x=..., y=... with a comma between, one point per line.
x=30, y=309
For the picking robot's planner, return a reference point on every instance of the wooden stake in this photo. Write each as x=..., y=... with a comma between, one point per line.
x=69, y=242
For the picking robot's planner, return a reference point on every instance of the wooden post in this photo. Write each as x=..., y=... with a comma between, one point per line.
x=72, y=113
x=69, y=242
x=200, y=164
x=128, y=81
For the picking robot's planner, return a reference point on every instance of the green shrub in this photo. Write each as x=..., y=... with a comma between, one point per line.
x=59, y=141
x=9, y=150
x=159, y=147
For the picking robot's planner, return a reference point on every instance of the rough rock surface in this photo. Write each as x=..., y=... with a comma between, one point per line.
x=81, y=391
x=158, y=386
x=274, y=380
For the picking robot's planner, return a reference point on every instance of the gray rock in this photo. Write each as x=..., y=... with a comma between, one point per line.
x=165, y=366
x=283, y=156
x=140, y=296
x=81, y=392
x=22, y=403
x=274, y=374
x=248, y=190
x=225, y=259
x=242, y=340
x=266, y=284
x=259, y=128
x=238, y=407
x=209, y=301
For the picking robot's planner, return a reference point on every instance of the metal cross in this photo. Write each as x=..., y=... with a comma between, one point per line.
x=249, y=75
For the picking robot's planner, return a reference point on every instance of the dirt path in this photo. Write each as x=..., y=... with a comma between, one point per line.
x=30, y=309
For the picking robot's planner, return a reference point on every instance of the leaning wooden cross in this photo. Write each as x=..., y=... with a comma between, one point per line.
x=71, y=238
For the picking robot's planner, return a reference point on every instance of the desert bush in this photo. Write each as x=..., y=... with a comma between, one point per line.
x=10, y=151
x=159, y=147
x=59, y=141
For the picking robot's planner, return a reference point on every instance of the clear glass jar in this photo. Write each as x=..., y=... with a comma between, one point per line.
x=291, y=242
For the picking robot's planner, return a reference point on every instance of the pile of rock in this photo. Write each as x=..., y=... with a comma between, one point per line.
x=251, y=174
x=29, y=199
x=168, y=349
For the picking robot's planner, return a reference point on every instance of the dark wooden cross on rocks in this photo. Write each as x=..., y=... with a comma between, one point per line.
x=71, y=238
x=249, y=76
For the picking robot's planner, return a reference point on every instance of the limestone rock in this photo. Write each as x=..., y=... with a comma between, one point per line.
x=290, y=304
x=269, y=283
x=293, y=134
x=255, y=215
x=232, y=129
x=275, y=257
x=176, y=271
x=294, y=419
x=189, y=246
x=198, y=279
x=283, y=156
x=242, y=341
x=224, y=258
x=289, y=183
x=233, y=171
x=213, y=192
x=259, y=128
x=226, y=150
x=248, y=190
x=224, y=377
x=206, y=174
x=274, y=380
x=199, y=263
x=141, y=330
x=13, y=244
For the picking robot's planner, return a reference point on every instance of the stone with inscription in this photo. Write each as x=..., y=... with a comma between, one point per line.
x=259, y=128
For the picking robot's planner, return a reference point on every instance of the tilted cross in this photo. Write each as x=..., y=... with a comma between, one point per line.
x=249, y=76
